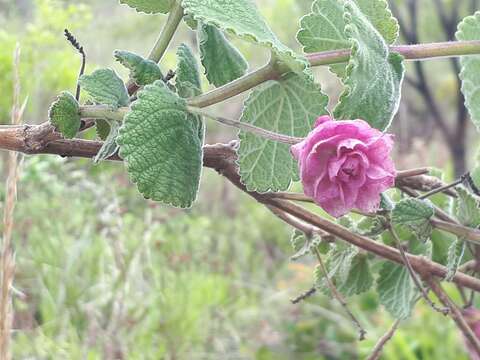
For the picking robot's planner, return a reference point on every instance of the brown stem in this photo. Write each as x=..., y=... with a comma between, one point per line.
x=412, y=273
x=378, y=349
x=41, y=139
x=456, y=315
x=336, y=294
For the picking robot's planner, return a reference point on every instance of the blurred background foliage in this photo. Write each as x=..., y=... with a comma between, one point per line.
x=104, y=274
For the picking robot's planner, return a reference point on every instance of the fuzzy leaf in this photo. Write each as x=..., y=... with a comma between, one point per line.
x=150, y=6
x=301, y=244
x=110, y=146
x=142, y=71
x=396, y=290
x=64, y=114
x=241, y=17
x=161, y=147
x=414, y=214
x=103, y=128
x=290, y=107
x=324, y=28
x=469, y=29
x=467, y=208
x=338, y=263
x=373, y=77
x=456, y=250
x=222, y=61
x=105, y=87
x=359, y=279
x=188, y=82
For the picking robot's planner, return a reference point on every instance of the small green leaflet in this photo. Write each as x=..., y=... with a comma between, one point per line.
x=105, y=87
x=290, y=107
x=222, y=61
x=110, y=146
x=150, y=6
x=359, y=279
x=103, y=128
x=339, y=264
x=188, y=82
x=415, y=215
x=456, y=251
x=161, y=147
x=373, y=77
x=469, y=29
x=396, y=290
x=64, y=114
x=302, y=245
x=324, y=28
x=241, y=17
x=467, y=208
x=142, y=71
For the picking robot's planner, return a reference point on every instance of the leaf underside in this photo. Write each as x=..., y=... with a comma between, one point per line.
x=142, y=71
x=288, y=107
x=150, y=6
x=373, y=77
x=241, y=18
x=105, y=87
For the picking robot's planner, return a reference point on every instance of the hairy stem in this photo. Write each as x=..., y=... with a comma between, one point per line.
x=161, y=45
x=273, y=71
x=270, y=135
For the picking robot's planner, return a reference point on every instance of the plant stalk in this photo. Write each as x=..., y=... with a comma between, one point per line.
x=270, y=71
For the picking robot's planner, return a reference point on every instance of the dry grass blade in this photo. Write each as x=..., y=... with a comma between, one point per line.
x=7, y=261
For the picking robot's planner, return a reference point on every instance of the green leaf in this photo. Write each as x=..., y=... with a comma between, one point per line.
x=290, y=107
x=324, y=28
x=456, y=250
x=188, y=82
x=142, y=71
x=150, y=6
x=103, y=128
x=161, y=147
x=359, y=279
x=222, y=61
x=380, y=16
x=241, y=17
x=469, y=29
x=64, y=114
x=467, y=208
x=105, y=87
x=373, y=77
x=338, y=263
x=396, y=290
x=301, y=244
x=110, y=146
x=414, y=214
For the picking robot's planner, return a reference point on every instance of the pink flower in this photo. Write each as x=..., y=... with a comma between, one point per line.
x=345, y=165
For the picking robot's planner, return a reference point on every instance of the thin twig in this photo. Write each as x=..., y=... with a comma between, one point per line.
x=304, y=296
x=456, y=314
x=267, y=134
x=412, y=172
x=378, y=349
x=412, y=273
x=73, y=40
x=336, y=294
x=442, y=188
